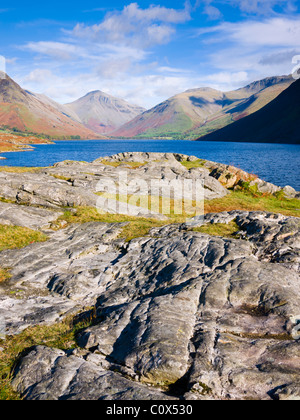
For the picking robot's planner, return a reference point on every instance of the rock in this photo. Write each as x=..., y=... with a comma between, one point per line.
x=73, y=378
x=71, y=184
x=289, y=192
x=176, y=314
x=265, y=187
x=43, y=190
x=180, y=304
x=118, y=207
x=30, y=217
x=56, y=277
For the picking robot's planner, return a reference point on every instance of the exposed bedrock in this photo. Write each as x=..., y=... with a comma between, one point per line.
x=209, y=317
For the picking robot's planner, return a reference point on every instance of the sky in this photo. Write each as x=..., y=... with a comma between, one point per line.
x=146, y=52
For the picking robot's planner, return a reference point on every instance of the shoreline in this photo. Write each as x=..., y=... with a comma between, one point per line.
x=238, y=155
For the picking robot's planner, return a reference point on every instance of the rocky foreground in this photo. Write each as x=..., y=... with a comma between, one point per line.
x=178, y=314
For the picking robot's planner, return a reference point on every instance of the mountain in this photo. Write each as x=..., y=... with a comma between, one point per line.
x=277, y=122
x=27, y=111
x=198, y=112
x=103, y=113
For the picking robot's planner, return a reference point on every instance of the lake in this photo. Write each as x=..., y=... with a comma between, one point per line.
x=276, y=163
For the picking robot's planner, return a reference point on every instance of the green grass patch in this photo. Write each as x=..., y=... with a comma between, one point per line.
x=132, y=165
x=196, y=164
x=12, y=237
x=137, y=226
x=251, y=201
x=19, y=170
x=220, y=229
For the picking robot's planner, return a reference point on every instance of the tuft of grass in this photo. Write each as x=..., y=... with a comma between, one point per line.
x=220, y=229
x=12, y=237
x=62, y=178
x=196, y=164
x=4, y=275
x=132, y=165
x=60, y=336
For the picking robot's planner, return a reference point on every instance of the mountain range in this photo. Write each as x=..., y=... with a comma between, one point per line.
x=193, y=114
x=29, y=112
x=277, y=122
x=198, y=112
x=88, y=117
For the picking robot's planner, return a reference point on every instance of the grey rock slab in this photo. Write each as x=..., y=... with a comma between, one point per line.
x=219, y=313
x=213, y=282
x=49, y=374
x=30, y=217
x=117, y=207
x=43, y=190
x=60, y=275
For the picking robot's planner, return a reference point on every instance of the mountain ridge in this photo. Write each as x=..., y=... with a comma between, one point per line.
x=197, y=112
x=277, y=122
x=29, y=112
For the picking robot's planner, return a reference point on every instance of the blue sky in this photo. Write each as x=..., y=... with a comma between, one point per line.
x=146, y=52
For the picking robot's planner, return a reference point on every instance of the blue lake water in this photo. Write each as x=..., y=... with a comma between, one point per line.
x=276, y=163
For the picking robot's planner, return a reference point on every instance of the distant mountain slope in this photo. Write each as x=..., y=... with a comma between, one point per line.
x=103, y=113
x=277, y=122
x=30, y=112
x=59, y=107
x=198, y=112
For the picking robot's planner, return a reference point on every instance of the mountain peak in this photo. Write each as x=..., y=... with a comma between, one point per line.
x=103, y=112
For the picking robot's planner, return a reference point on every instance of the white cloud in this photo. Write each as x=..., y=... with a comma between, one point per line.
x=264, y=6
x=145, y=90
x=250, y=7
x=277, y=31
x=57, y=50
x=271, y=32
x=227, y=78
x=135, y=26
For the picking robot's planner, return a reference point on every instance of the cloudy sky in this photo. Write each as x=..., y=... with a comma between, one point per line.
x=146, y=52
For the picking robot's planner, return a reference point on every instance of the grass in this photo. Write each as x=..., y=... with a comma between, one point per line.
x=132, y=165
x=19, y=170
x=62, y=178
x=12, y=237
x=196, y=164
x=60, y=336
x=174, y=129
x=137, y=226
x=4, y=275
x=220, y=229
x=247, y=201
